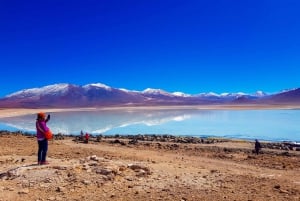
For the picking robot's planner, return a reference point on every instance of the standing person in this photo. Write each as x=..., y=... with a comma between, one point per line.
x=81, y=135
x=257, y=146
x=87, y=138
x=41, y=128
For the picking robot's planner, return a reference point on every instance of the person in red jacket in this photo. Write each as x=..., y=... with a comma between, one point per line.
x=41, y=128
x=87, y=138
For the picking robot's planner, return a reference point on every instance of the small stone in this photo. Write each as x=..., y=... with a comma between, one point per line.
x=277, y=186
x=104, y=171
x=60, y=189
x=24, y=191
x=9, y=189
x=86, y=182
x=122, y=168
x=94, y=158
x=284, y=191
x=129, y=178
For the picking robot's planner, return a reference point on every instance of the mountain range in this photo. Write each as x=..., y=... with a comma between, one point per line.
x=99, y=95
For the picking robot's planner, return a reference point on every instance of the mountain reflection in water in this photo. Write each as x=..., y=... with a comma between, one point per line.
x=249, y=124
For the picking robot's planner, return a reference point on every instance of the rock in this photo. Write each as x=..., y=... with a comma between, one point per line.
x=122, y=168
x=12, y=174
x=9, y=189
x=142, y=173
x=213, y=171
x=137, y=168
x=94, y=158
x=104, y=171
x=60, y=189
x=129, y=178
x=24, y=191
x=86, y=182
x=284, y=191
x=59, y=167
x=277, y=186
x=93, y=164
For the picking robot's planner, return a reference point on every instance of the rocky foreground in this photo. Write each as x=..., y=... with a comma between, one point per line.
x=147, y=168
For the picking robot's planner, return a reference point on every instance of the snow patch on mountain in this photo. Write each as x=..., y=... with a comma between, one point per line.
x=125, y=90
x=239, y=94
x=210, y=94
x=97, y=85
x=128, y=91
x=260, y=94
x=156, y=92
x=50, y=89
x=181, y=94
x=287, y=90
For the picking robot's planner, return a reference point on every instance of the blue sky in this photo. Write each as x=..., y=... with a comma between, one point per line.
x=191, y=46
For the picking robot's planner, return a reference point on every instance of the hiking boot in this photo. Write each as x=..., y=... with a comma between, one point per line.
x=44, y=163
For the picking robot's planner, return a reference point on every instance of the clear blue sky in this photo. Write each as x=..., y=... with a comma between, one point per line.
x=191, y=46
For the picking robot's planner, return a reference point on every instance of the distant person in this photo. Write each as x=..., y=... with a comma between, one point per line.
x=81, y=135
x=87, y=136
x=257, y=146
x=41, y=129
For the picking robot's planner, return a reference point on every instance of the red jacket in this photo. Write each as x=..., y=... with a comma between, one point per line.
x=87, y=136
x=41, y=128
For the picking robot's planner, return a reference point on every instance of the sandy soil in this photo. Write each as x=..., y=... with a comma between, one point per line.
x=107, y=170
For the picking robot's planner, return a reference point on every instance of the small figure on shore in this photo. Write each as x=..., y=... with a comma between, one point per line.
x=257, y=146
x=41, y=129
x=81, y=135
x=87, y=138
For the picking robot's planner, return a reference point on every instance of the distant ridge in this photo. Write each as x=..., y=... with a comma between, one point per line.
x=100, y=95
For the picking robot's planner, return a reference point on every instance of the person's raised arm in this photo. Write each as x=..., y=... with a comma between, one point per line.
x=48, y=118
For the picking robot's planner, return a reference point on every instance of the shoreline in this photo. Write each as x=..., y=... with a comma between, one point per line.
x=130, y=136
x=13, y=112
x=157, y=138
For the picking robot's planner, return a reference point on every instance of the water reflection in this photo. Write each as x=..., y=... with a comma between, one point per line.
x=101, y=121
x=261, y=124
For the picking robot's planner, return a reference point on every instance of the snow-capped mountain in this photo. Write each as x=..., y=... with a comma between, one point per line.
x=98, y=94
x=260, y=94
x=158, y=92
x=286, y=96
x=96, y=85
x=181, y=94
x=55, y=89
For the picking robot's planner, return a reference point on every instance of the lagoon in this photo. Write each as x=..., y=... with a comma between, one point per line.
x=268, y=124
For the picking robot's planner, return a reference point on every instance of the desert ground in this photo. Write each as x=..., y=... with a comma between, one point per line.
x=124, y=169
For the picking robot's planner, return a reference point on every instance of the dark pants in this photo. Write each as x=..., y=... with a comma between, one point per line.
x=42, y=152
x=257, y=150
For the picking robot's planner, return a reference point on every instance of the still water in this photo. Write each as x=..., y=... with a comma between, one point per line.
x=274, y=125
